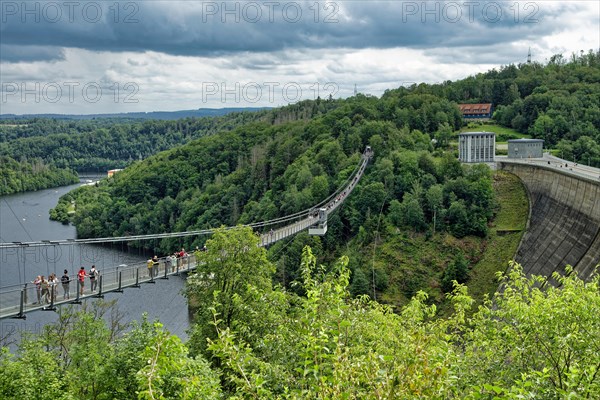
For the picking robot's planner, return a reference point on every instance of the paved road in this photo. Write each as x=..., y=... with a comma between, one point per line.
x=560, y=165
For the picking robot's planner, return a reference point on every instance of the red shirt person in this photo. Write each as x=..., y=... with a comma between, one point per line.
x=81, y=278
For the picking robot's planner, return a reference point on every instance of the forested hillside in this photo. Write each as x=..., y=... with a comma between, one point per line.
x=558, y=102
x=34, y=175
x=100, y=145
x=260, y=170
x=107, y=143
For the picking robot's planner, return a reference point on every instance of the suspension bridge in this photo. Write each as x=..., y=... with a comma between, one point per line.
x=17, y=300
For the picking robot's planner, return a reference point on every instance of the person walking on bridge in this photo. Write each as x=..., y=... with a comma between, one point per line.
x=168, y=262
x=45, y=290
x=184, y=257
x=150, y=266
x=38, y=288
x=65, y=280
x=81, y=275
x=53, y=286
x=155, y=264
x=93, y=278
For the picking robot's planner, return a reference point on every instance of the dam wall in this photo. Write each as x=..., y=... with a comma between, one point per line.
x=564, y=223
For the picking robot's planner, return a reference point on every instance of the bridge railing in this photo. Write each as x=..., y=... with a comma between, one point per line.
x=16, y=300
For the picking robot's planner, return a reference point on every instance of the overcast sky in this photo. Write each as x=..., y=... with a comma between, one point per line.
x=80, y=57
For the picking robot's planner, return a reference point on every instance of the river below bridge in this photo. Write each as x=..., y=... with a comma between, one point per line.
x=24, y=217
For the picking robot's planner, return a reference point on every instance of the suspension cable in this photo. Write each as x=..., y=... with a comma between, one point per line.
x=355, y=173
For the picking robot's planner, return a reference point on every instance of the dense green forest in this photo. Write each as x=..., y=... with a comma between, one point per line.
x=558, y=102
x=100, y=145
x=107, y=143
x=256, y=340
x=23, y=176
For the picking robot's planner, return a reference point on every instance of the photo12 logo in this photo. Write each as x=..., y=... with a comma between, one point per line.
x=11, y=330
x=266, y=92
x=54, y=92
x=470, y=11
x=57, y=256
x=269, y=11
x=69, y=11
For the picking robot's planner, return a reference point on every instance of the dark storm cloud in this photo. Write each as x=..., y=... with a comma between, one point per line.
x=35, y=30
x=30, y=53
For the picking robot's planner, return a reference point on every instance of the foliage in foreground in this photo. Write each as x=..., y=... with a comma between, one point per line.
x=81, y=357
x=533, y=341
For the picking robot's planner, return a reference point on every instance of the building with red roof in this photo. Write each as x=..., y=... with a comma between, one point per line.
x=476, y=111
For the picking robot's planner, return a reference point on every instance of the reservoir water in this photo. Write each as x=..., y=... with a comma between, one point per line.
x=25, y=217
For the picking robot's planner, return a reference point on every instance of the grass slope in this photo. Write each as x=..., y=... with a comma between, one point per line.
x=504, y=235
x=502, y=133
x=415, y=261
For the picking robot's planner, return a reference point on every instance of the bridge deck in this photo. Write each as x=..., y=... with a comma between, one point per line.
x=129, y=275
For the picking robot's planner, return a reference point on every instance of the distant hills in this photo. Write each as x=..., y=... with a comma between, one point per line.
x=157, y=115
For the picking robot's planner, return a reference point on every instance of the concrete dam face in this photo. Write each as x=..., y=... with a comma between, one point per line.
x=564, y=222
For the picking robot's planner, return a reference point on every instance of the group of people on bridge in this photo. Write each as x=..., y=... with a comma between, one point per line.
x=341, y=196
x=172, y=263
x=47, y=289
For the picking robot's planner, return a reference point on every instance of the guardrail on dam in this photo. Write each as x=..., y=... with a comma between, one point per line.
x=564, y=223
